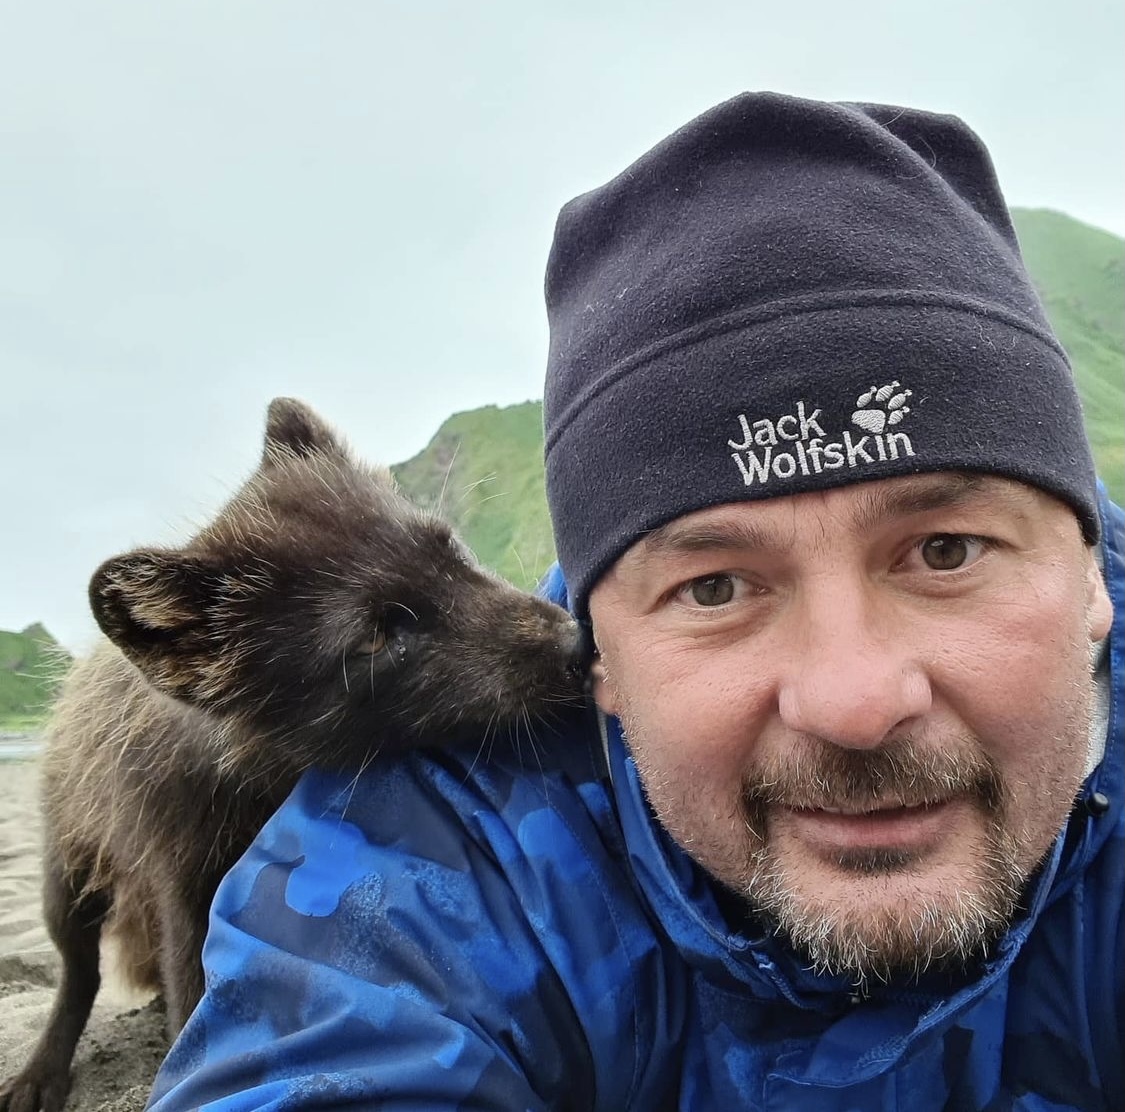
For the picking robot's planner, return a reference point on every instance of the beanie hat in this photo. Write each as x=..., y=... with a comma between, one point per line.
x=787, y=295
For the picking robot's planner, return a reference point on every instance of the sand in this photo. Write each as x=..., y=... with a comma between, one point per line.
x=124, y=1041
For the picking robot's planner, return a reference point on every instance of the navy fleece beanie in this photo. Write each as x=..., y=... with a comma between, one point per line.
x=787, y=295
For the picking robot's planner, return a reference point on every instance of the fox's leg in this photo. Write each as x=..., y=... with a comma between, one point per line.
x=74, y=919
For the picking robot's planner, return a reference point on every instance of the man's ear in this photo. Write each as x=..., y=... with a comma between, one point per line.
x=158, y=607
x=1099, y=609
x=600, y=687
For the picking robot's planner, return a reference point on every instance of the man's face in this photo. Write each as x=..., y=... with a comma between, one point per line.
x=867, y=710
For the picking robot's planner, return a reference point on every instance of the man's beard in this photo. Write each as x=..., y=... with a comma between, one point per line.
x=906, y=937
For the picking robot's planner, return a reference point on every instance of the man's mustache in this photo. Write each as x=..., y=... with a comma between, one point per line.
x=901, y=773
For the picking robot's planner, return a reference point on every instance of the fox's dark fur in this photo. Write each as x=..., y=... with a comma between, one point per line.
x=320, y=620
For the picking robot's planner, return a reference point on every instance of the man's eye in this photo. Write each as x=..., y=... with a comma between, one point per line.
x=711, y=590
x=949, y=551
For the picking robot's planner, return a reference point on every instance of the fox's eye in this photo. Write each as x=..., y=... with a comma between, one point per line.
x=376, y=643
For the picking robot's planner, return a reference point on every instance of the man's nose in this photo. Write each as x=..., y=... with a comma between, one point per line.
x=853, y=674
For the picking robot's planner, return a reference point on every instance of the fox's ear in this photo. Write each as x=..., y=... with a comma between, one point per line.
x=159, y=608
x=292, y=428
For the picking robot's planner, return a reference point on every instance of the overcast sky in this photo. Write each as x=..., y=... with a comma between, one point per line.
x=207, y=203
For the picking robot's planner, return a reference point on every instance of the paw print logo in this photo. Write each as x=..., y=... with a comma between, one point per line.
x=888, y=409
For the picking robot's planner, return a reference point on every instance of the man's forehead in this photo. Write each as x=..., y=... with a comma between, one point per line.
x=861, y=505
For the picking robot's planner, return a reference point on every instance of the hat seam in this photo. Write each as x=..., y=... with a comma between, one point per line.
x=802, y=305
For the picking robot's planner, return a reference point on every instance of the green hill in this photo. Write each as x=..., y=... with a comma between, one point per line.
x=1080, y=274
x=31, y=665
x=483, y=472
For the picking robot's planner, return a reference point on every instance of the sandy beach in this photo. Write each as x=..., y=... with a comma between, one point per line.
x=124, y=1041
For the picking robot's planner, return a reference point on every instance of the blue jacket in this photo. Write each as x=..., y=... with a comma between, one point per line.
x=517, y=933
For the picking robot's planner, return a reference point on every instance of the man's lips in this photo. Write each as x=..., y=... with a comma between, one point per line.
x=886, y=826
x=878, y=808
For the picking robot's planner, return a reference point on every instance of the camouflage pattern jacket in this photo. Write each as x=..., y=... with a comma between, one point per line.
x=517, y=933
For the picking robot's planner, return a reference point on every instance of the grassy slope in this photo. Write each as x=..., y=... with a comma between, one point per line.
x=483, y=471
x=31, y=664
x=1080, y=274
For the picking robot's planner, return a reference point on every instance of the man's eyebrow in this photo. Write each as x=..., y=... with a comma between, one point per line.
x=688, y=536
x=943, y=491
x=923, y=494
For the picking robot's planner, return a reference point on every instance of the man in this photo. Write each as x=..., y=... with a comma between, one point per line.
x=846, y=831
